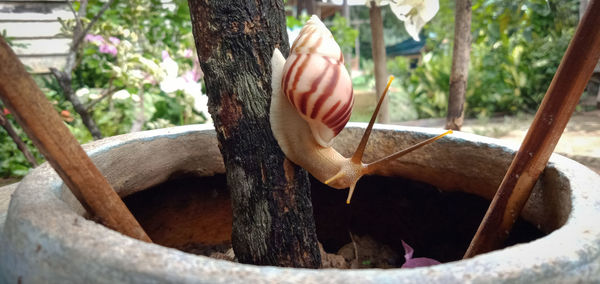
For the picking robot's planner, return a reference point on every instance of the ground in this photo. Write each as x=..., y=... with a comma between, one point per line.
x=7, y=181
x=580, y=140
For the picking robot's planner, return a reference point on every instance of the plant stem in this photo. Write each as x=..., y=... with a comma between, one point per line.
x=78, y=37
x=18, y=141
x=64, y=80
x=557, y=106
x=64, y=77
x=140, y=118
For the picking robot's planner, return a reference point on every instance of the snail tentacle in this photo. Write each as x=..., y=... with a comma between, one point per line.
x=356, y=168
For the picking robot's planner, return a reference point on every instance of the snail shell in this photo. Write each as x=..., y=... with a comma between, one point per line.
x=316, y=82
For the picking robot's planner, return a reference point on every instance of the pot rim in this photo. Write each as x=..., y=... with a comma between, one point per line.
x=572, y=250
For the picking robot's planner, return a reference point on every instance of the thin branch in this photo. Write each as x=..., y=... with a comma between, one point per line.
x=107, y=93
x=355, y=246
x=79, y=24
x=64, y=79
x=17, y=139
x=82, y=8
x=77, y=40
x=140, y=118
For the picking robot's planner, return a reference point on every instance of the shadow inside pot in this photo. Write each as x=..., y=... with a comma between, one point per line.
x=194, y=214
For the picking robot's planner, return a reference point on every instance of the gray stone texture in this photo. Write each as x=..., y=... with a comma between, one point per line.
x=5, y=194
x=47, y=239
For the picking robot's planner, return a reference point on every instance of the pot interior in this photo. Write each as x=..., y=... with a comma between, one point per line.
x=433, y=198
x=194, y=214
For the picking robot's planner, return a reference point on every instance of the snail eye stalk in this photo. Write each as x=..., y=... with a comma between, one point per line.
x=357, y=168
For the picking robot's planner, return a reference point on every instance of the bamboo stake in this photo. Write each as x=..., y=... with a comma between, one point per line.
x=551, y=119
x=42, y=124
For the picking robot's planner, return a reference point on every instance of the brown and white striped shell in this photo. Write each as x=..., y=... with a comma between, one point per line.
x=316, y=82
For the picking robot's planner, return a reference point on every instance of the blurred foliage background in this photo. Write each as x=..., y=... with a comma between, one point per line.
x=515, y=51
x=138, y=64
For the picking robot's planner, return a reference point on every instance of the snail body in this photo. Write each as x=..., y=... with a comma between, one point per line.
x=311, y=103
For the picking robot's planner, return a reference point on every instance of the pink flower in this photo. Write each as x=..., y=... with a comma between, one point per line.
x=189, y=76
x=108, y=49
x=188, y=53
x=198, y=74
x=195, y=74
x=103, y=46
x=95, y=39
x=415, y=262
x=114, y=40
x=165, y=55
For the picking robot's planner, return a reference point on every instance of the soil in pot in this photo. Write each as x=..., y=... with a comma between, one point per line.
x=194, y=214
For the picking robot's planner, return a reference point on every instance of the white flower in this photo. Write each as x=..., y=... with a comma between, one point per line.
x=170, y=82
x=194, y=90
x=82, y=92
x=414, y=13
x=188, y=83
x=293, y=34
x=201, y=103
x=135, y=98
x=169, y=6
x=121, y=95
x=169, y=65
x=137, y=74
x=94, y=96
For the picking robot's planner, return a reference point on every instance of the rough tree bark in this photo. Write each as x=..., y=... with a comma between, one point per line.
x=460, y=65
x=272, y=211
x=378, y=50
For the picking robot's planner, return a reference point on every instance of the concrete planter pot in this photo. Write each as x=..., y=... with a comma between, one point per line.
x=47, y=239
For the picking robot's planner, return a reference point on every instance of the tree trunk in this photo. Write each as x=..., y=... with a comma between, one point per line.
x=272, y=211
x=460, y=65
x=379, y=60
x=346, y=14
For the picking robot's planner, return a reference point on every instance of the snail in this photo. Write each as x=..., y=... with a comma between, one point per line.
x=312, y=99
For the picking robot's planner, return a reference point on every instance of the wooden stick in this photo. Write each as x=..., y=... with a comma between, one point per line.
x=557, y=106
x=42, y=124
